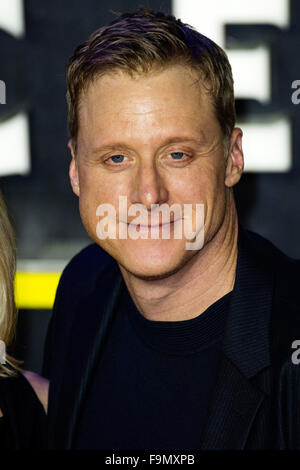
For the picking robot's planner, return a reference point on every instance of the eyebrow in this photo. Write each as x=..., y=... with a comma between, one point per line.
x=169, y=141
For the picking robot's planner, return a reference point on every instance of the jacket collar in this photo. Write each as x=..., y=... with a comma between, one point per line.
x=246, y=340
x=245, y=352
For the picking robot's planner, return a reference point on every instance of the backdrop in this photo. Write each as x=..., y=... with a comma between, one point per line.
x=37, y=38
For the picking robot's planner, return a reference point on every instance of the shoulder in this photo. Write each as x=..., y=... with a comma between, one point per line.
x=80, y=279
x=266, y=248
x=280, y=274
x=87, y=264
x=81, y=276
x=17, y=392
x=286, y=270
x=40, y=386
x=82, y=273
x=284, y=326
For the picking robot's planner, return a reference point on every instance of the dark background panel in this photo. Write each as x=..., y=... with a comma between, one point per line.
x=35, y=78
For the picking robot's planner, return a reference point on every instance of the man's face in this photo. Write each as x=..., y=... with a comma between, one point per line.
x=154, y=139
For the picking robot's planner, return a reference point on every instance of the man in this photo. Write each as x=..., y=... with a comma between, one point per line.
x=153, y=345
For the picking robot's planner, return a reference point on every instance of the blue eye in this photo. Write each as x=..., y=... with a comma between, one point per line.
x=117, y=158
x=177, y=155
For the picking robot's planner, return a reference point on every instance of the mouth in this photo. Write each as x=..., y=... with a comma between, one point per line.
x=161, y=227
x=149, y=225
x=154, y=226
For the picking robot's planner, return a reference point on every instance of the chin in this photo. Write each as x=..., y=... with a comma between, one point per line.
x=152, y=261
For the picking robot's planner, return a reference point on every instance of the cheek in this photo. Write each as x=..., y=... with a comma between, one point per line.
x=212, y=180
x=94, y=189
x=88, y=215
x=206, y=186
x=197, y=186
x=88, y=200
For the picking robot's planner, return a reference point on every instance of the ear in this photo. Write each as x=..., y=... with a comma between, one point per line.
x=235, y=158
x=73, y=170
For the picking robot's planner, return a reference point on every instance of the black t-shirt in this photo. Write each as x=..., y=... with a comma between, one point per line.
x=152, y=385
x=23, y=424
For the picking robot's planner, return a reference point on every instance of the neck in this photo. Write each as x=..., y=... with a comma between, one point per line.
x=205, y=278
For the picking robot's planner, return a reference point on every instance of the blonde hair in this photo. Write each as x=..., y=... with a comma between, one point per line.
x=145, y=40
x=8, y=311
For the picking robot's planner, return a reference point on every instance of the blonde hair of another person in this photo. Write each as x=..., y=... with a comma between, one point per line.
x=8, y=311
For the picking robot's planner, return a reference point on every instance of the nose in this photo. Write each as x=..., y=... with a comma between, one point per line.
x=149, y=187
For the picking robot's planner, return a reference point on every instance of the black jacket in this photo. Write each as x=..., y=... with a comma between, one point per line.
x=256, y=399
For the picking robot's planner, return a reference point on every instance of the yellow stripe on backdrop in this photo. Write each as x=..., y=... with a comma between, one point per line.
x=36, y=290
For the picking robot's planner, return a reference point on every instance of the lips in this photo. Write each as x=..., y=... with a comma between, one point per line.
x=153, y=226
x=149, y=225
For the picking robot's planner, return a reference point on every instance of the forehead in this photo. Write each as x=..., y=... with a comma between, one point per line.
x=166, y=101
